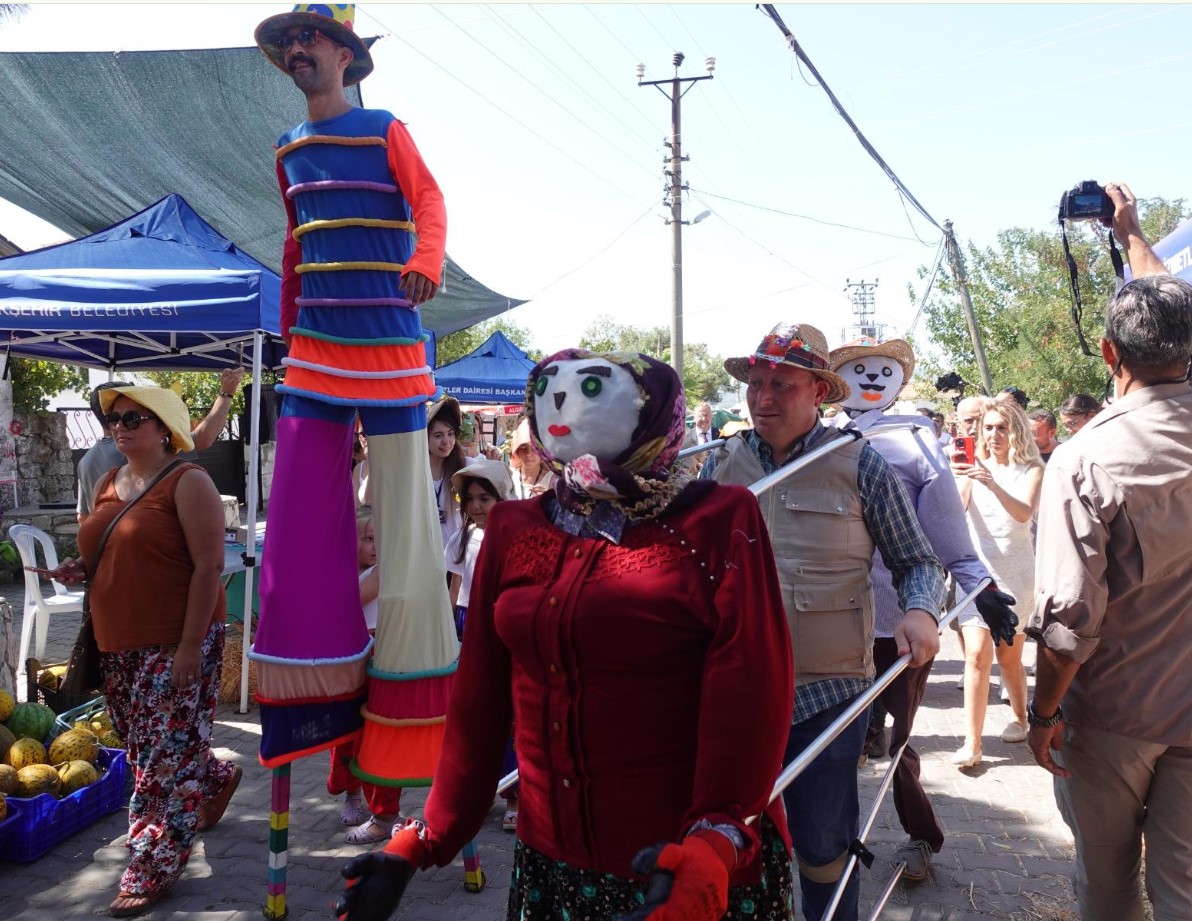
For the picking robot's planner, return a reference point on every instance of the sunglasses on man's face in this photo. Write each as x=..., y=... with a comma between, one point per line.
x=305, y=38
x=131, y=420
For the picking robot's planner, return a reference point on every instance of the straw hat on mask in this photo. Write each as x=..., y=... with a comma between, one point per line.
x=162, y=402
x=898, y=349
x=798, y=345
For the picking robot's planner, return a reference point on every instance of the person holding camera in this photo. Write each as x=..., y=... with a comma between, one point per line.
x=1113, y=612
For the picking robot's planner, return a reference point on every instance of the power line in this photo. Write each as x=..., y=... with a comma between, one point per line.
x=939, y=258
x=769, y=10
x=513, y=118
x=568, y=109
x=807, y=217
x=637, y=220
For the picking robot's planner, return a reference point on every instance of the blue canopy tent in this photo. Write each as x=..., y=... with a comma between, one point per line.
x=495, y=372
x=1175, y=250
x=161, y=290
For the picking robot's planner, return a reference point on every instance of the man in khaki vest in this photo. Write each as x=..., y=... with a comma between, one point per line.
x=825, y=522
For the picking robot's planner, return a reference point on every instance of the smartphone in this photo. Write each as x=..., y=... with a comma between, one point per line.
x=964, y=449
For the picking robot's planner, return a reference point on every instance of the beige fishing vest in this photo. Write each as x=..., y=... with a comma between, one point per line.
x=823, y=551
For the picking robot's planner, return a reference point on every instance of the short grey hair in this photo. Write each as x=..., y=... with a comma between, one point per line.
x=1150, y=322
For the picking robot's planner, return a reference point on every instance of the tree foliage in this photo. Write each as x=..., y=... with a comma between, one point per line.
x=199, y=390
x=35, y=383
x=456, y=345
x=1022, y=303
x=704, y=377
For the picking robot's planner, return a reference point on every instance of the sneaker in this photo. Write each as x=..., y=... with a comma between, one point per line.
x=509, y=821
x=1015, y=731
x=915, y=855
x=879, y=746
x=966, y=757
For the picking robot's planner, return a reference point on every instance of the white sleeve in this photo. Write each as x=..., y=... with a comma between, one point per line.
x=451, y=554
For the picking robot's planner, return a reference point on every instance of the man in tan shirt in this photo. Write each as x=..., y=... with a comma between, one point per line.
x=1113, y=606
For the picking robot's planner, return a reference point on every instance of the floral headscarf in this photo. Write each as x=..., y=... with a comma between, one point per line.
x=643, y=479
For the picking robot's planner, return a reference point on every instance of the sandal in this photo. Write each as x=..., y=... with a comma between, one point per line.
x=212, y=811
x=509, y=822
x=129, y=904
x=353, y=813
x=368, y=833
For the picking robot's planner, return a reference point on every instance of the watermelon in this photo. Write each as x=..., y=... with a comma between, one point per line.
x=31, y=721
x=73, y=745
x=25, y=752
x=36, y=779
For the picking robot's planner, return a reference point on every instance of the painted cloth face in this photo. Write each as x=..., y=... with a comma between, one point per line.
x=874, y=381
x=610, y=425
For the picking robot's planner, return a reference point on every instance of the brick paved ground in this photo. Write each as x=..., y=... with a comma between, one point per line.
x=1008, y=854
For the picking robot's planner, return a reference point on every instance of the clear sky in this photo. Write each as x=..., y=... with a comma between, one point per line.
x=551, y=156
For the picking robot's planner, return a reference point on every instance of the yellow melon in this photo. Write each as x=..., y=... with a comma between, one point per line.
x=74, y=775
x=111, y=740
x=75, y=745
x=8, y=779
x=35, y=779
x=26, y=752
x=3, y=807
x=6, y=705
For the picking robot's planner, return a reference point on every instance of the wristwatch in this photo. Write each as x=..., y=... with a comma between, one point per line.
x=224, y=393
x=1044, y=722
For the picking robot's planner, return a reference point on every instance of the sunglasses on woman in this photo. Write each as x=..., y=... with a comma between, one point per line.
x=131, y=420
x=305, y=38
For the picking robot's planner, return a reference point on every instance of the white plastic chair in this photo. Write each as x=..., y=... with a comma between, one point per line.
x=38, y=607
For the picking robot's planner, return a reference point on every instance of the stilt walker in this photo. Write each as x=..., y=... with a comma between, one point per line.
x=354, y=188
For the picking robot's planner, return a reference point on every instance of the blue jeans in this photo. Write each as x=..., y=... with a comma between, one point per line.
x=822, y=808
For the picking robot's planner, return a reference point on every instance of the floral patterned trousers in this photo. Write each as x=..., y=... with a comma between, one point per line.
x=168, y=734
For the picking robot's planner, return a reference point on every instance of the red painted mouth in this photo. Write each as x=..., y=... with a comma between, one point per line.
x=872, y=397
x=559, y=430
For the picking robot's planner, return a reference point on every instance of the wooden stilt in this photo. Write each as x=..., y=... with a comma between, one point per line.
x=473, y=874
x=279, y=833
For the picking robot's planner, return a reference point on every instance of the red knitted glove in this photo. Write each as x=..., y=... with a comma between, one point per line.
x=688, y=881
x=377, y=881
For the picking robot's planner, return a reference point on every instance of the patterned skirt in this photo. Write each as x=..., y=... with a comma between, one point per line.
x=543, y=889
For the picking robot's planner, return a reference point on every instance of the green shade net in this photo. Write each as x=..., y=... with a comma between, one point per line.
x=92, y=137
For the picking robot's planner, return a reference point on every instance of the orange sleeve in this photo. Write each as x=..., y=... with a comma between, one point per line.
x=426, y=201
x=291, y=256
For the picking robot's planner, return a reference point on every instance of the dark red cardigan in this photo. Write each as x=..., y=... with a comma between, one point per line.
x=651, y=684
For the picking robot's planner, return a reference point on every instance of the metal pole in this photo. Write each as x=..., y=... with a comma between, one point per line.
x=676, y=341
x=250, y=498
x=966, y=304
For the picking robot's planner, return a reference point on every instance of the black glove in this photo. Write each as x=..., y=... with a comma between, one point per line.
x=995, y=610
x=375, y=886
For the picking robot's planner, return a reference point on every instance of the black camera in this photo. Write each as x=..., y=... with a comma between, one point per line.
x=952, y=381
x=1086, y=201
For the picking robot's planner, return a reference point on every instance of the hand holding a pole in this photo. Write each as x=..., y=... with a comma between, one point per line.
x=688, y=881
x=918, y=634
x=377, y=881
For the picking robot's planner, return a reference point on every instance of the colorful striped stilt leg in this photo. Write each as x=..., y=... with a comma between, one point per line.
x=473, y=875
x=279, y=831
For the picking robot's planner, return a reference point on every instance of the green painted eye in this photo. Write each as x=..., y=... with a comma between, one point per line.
x=590, y=386
x=540, y=386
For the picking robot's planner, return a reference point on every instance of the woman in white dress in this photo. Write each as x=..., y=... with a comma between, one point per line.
x=1001, y=492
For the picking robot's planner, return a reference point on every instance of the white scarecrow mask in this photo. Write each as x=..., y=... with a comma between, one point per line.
x=579, y=408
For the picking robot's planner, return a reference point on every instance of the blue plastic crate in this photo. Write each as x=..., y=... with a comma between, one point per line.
x=10, y=823
x=65, y=721
x=43, y=821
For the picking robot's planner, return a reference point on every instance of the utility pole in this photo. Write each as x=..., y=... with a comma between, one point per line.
x=675, y=190
x=966, y=304
x=861, y=293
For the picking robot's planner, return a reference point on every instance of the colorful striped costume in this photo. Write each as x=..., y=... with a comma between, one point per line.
x=354, y=186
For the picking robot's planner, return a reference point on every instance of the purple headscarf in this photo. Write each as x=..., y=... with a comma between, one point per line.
x=642, y=480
